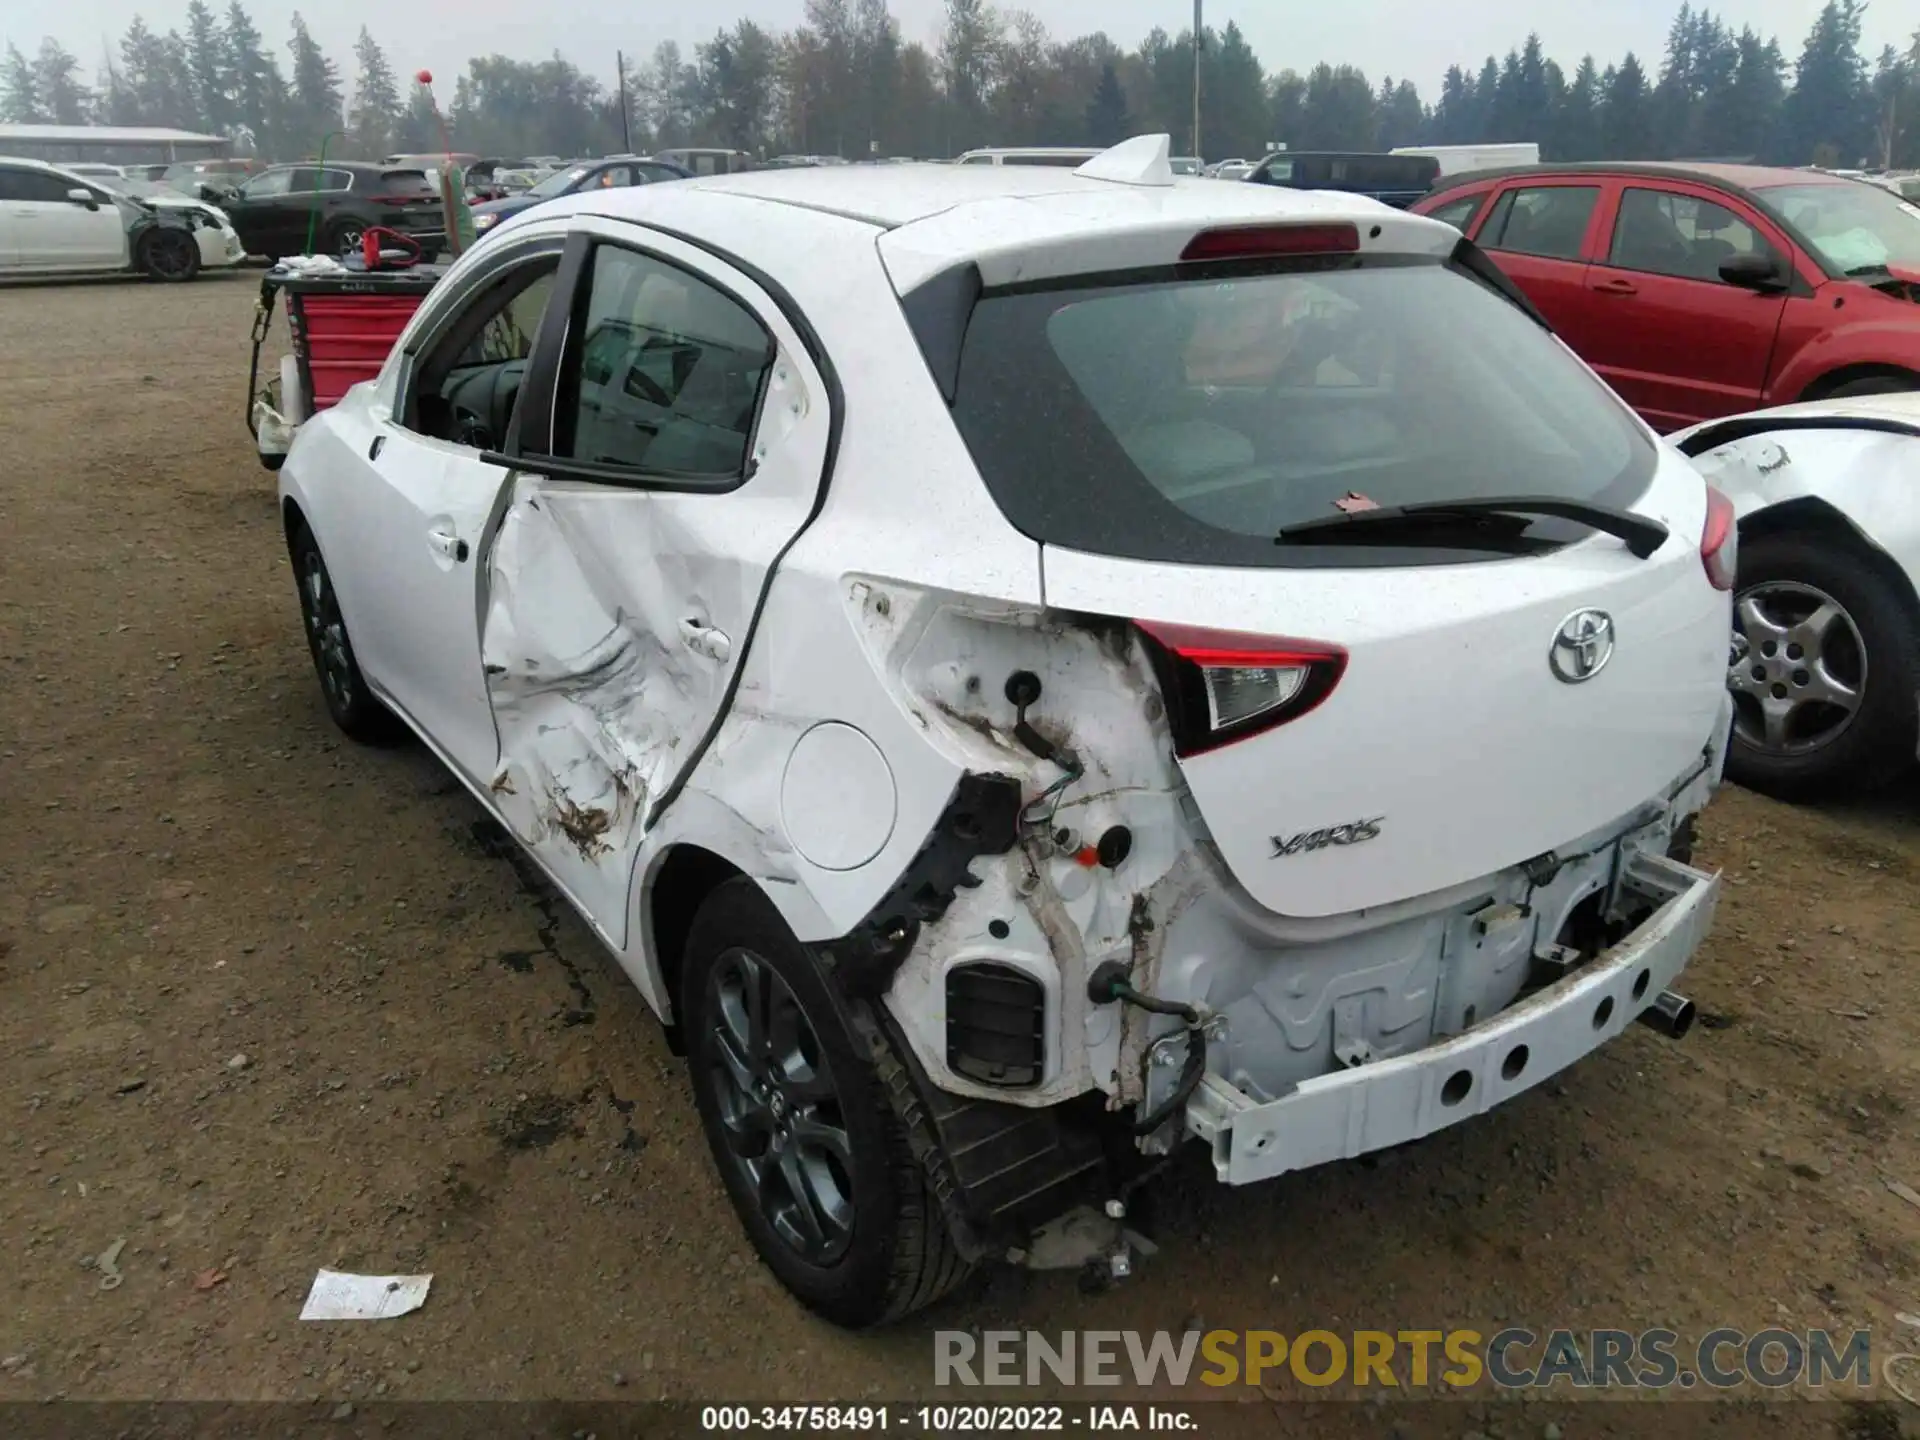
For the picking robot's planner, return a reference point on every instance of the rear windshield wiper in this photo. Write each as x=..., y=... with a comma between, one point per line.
x=1642, y=536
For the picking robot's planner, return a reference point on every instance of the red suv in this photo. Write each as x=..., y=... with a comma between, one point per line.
x=1704, y=290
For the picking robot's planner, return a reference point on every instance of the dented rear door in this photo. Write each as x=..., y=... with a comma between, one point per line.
x=689, y=438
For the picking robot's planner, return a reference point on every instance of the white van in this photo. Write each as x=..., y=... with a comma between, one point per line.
x=1064, y=156
x=1457, y=159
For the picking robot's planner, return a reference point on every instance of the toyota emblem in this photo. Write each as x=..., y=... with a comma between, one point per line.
x=1581, y=646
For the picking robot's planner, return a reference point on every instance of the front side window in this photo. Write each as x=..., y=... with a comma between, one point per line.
x=1662, y=232
x=666, y=374
x=1545, y=220
x=268, y=184
x=34, y=185
x=1190, y=419
x=469, y=381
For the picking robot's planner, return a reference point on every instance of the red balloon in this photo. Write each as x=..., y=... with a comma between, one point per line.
x=425, y=77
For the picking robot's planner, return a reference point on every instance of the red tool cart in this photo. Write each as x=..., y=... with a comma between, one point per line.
x=343, y=320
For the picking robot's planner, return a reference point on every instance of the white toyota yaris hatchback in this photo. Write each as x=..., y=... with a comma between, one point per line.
x=1025, y=666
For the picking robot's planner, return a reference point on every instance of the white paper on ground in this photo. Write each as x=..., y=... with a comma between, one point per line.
x=339, y=1296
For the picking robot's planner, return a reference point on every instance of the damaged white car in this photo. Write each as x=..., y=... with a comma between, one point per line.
x=1027, y=666
x=1825, y=665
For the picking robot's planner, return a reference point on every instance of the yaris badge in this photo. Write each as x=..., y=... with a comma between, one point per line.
x=1582, y=646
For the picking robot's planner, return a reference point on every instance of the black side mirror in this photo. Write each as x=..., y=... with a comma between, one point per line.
x=1754, y=270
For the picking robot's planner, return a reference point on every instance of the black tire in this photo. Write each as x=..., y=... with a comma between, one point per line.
x=1869, y=647
x=351, y=704
x=876, y=1246
x=343, y=237
x=1874, y=385
x=273, y=462
x=169, y=255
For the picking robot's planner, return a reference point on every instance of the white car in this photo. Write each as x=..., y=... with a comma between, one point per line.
x=53, y=221
x=220, y=245
x=1024, y=666
x=1825, y=669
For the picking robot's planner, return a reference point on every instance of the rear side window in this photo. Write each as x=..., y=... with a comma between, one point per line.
x=667, y=375
x=1189, y=418
x=1546, y=220
x=1459, y=213
x=1063, y=162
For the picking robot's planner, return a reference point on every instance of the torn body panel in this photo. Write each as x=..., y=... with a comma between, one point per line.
x=1851, y=456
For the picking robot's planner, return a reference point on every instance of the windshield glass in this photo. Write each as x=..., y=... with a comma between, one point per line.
x=1190, y=419
x=1854, y=227
x=558, y=183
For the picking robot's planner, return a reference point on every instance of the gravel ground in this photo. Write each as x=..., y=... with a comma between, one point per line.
x=271, y=1002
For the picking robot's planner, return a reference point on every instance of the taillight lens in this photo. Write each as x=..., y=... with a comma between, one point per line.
x=1720, y=541
x=1221, y=686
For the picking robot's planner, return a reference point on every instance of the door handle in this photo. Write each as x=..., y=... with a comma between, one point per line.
x=705, y=640
x=1616, y=287
x=448, y=544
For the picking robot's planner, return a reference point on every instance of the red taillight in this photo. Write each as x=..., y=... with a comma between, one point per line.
x=1720, y=541
x=1246, y=242
x=1221, y=686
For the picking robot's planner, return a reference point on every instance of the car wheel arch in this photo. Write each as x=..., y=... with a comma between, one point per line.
x=1825, y=385
x=292, y=521
x=1812, y=516
x=679, y=885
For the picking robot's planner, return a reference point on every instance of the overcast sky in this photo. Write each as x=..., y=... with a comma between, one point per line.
x=1412, y=38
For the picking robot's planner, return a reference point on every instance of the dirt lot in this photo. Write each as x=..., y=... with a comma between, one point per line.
x=270, y=1002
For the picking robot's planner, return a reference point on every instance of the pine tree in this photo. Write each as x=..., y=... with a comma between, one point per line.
x=1107, y=111
x=317, y=102
x=1576, y=133
x=259, y=94
x=1829, y=115
x=56, y=78
x=376, y=99
x=208, y=67
x=1628, y=121
x=19, y=90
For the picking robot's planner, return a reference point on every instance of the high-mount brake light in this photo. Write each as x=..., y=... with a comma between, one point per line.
x=1720, y=541
x=1252, y=242
x=1221, y=686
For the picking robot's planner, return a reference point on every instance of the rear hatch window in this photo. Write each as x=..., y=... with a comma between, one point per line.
x=407, y=185
x=1190, y=415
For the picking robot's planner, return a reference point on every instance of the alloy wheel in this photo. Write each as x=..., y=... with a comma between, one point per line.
x=779, y=1107
x=169, y=255
x=326, y=631
x=1798, y=668
x=350, y=240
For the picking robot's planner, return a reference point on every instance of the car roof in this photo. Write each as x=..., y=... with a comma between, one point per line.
x=1723, y=175
x=1038, y=221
